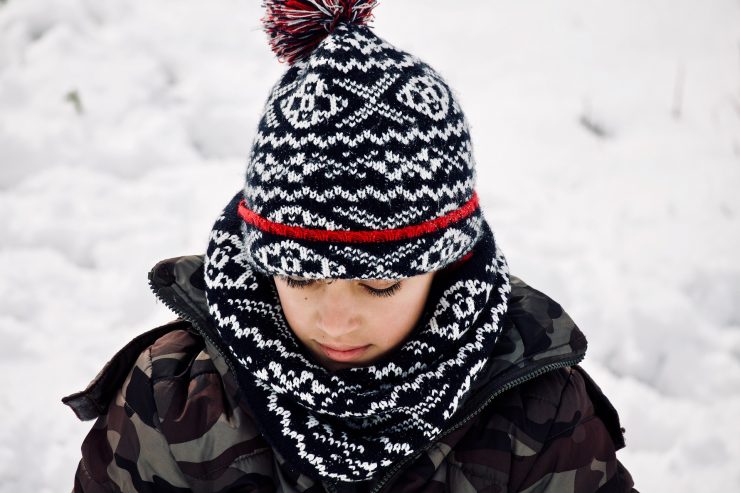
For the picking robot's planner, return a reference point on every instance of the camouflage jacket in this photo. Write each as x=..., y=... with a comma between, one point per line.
x=170, y=416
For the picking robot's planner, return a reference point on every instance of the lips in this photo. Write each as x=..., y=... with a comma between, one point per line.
x=343, y=354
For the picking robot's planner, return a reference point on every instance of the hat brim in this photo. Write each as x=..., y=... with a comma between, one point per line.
x=276, y=254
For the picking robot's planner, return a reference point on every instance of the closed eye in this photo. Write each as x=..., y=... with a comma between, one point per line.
x=389, y=291
x=385, y=292
x=297, y=283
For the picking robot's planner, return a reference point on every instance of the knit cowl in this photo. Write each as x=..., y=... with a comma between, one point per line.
x=350, y=424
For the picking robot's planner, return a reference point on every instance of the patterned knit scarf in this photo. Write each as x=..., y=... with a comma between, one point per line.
x=350, y=424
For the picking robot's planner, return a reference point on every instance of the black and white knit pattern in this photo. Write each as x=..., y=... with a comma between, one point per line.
x=360, y=136
x=348, y=425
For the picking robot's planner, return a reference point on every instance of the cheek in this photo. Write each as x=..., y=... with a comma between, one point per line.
x=393, y=321
x=295, y=305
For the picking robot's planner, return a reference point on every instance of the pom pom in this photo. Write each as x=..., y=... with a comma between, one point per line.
x=295, y=27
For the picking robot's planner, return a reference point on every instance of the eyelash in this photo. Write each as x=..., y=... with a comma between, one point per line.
x=389, y=291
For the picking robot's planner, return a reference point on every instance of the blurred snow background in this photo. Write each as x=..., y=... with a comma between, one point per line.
x=607, y=136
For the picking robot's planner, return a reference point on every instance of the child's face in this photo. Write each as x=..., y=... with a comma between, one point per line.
x=348, y=323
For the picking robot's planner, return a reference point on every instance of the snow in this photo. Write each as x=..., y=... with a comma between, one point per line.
x=607, y=136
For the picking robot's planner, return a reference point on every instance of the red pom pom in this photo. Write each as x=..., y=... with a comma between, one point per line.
x=295, y=27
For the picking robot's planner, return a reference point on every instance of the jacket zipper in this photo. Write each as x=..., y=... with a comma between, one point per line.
x=507, y=386
x=181, y=313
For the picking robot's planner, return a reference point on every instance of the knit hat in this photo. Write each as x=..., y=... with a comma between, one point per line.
x=362, y=166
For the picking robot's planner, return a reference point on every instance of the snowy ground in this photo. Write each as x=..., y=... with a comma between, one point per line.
x=614, y=126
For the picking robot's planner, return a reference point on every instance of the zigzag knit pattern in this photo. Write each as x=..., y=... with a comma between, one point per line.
x=360, y=136
x=351, y=424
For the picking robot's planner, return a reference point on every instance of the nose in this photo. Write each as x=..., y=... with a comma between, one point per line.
x=337, y=310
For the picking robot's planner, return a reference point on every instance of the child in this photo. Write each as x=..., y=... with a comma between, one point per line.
x=353, y=326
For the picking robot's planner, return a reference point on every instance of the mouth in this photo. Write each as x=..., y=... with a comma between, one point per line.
x=344, y=354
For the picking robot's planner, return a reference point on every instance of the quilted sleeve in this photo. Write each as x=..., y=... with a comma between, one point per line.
x=579, y=454
x=125, y=450
x=174, y=426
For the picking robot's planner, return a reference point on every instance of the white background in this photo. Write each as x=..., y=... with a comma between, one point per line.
x=607, y=136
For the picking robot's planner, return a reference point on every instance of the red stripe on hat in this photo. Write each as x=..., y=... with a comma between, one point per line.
x=378, y=236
